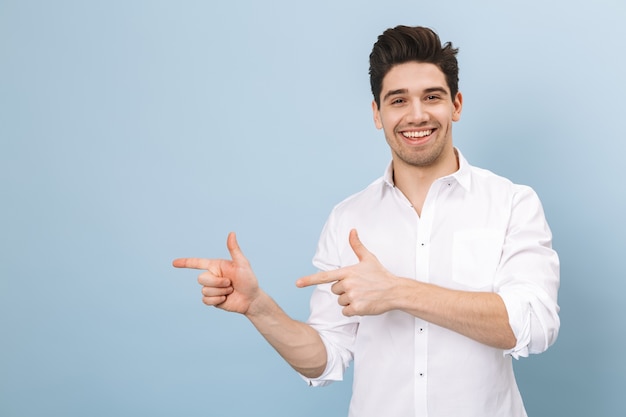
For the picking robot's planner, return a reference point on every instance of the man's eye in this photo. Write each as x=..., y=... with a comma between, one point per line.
x=432, y=98
x=397, y=101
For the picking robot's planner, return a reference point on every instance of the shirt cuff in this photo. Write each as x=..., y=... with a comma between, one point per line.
x=519, y=313
x=334, y=368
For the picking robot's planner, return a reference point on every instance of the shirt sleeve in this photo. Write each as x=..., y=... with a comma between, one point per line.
x=528, y=276
x=337, y=331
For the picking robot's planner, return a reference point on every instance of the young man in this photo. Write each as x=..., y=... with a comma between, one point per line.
x=431, y=279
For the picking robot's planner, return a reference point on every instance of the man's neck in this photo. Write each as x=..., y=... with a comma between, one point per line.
x=415, y=181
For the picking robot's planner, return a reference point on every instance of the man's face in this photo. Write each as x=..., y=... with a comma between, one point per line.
x=416, y=113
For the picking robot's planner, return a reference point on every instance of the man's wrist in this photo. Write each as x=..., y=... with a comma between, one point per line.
x=259, y=305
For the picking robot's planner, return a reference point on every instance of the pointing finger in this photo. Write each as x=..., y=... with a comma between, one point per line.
x=192, y=263
x=319, y=278
x=214, y=264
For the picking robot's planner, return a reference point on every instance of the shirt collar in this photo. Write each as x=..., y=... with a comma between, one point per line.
x=388, y=177
x=462, y=175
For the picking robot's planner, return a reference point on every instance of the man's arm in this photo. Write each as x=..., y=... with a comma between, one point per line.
x=232, y=286
x=367, y=288
x=481, y=316
x=298, y=343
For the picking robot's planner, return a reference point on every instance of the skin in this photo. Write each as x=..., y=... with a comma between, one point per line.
x=415, y=99
x=232, y=286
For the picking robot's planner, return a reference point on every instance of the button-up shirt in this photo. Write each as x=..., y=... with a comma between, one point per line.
x=477, y=232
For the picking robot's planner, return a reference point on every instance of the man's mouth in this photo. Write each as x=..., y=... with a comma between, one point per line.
x=417, y=134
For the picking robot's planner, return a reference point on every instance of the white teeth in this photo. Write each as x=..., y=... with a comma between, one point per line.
x=419, y=134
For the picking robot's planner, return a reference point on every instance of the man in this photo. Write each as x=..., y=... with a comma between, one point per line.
x=431, y=279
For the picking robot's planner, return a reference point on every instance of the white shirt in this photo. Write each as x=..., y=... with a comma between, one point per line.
x=477, y=232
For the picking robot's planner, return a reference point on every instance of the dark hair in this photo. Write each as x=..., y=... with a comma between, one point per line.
x=405, y=44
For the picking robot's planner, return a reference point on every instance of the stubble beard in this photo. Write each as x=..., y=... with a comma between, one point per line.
x=419, y=158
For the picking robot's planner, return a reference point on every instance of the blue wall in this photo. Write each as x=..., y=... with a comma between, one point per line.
x=134, y=132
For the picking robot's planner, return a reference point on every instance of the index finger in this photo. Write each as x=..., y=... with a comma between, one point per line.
x=322, y=277
x=193, y=263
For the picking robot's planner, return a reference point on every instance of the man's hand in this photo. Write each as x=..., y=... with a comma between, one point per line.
x=227, y=284
x=365, y=288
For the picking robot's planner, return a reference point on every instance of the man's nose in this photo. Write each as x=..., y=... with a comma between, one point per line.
x=417, y=112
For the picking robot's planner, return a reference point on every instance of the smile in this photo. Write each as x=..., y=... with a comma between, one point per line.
x=415, y=135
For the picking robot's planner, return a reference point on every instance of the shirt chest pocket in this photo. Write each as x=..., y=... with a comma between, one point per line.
x=475, y=256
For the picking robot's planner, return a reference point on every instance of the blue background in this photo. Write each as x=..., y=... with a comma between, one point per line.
x=134, y=132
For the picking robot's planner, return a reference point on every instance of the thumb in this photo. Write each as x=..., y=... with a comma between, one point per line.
x=235, y=251
x=359, y=249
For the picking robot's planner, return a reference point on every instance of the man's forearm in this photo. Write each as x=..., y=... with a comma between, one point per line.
x=297, y=342
x=481, y=316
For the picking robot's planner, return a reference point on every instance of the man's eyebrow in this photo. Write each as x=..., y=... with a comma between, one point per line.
x=395, y=93
x=436, y=90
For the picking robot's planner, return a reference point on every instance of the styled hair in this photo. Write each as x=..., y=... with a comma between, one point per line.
x=406, y=44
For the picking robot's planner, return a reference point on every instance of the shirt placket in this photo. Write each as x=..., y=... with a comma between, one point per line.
x=422, y=273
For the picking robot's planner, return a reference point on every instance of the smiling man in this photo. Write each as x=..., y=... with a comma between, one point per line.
x=431, y=279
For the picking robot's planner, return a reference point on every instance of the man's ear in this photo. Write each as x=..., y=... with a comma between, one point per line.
x=458, y=106
x=377, y=121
